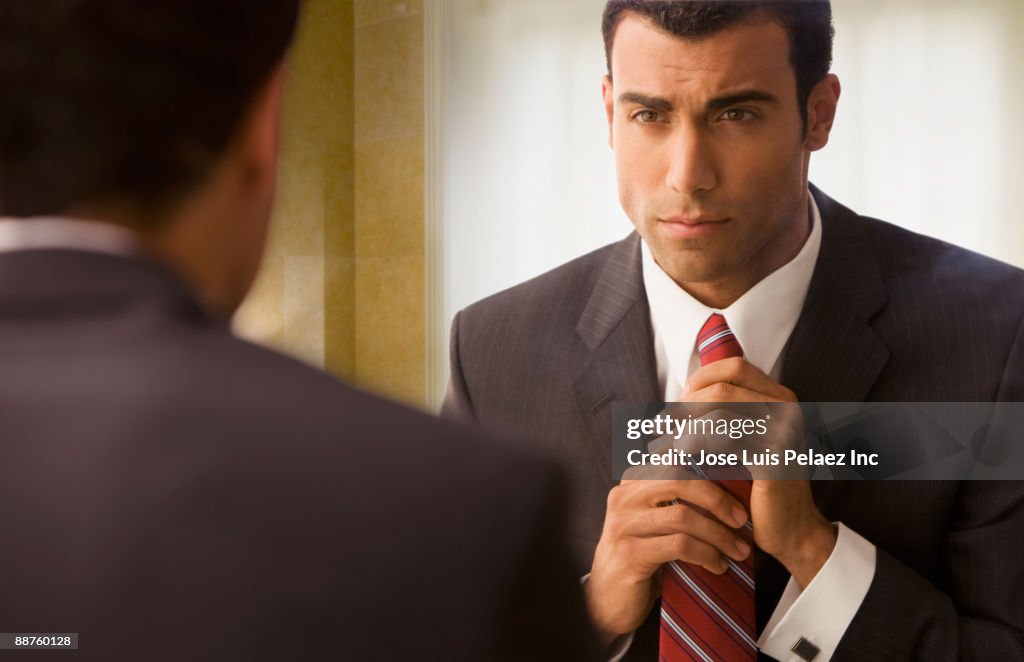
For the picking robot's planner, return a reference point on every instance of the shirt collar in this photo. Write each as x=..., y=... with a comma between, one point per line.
x=55, y=233
x=762, y=319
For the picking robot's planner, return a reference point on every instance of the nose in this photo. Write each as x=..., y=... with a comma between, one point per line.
x=692, y=168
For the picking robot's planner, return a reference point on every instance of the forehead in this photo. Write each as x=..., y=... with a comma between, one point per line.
x=752, y=54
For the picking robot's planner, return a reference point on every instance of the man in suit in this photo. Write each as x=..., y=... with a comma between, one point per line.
x=714, y=109
x=171, y=492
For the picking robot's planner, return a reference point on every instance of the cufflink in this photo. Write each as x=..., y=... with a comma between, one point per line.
x=805, y=649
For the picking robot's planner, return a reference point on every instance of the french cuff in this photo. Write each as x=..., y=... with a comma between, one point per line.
x=807, y=625
x=621, y=645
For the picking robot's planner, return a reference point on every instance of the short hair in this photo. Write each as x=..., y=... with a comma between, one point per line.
x=132, y=101
x=807, y=22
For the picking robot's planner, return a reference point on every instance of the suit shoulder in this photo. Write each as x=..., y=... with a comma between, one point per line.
x=341, y=423
x=907, y=254
x=273, y=400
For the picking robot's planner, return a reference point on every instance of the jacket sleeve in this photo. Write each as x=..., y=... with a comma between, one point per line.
x=976, y=610
x=977, y=613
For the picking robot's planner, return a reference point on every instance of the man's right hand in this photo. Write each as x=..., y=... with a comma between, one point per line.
x=640, y=536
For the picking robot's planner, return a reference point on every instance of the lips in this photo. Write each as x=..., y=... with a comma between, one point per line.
x=693, y=220
x=693, y=226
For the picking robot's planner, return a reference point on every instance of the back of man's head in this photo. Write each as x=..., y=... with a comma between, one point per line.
x=126, y=102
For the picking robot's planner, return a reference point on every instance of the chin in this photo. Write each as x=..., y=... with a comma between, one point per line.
x=696, y=271
x=690, y=261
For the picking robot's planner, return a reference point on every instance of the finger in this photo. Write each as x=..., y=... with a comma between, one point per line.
x=736, y=370
x=702, y=493
x=714, y=411
x=656, y=472
x=724, y=391
x=681, y=518
x=681, y=547
x=661, y=444
x=739, y=372
x=645, y=493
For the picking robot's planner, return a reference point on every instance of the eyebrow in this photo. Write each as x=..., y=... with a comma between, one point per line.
x=743, y=96
x=654, y=103
x=717, y=103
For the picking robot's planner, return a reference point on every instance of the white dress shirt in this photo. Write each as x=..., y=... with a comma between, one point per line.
x=50, y=233
x=763, y=320
x=75, y=234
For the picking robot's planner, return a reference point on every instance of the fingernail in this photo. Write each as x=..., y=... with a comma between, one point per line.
x=739, y=516
x=743, y=548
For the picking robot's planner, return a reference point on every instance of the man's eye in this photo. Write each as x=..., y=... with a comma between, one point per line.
x=737, y=115
x=646, y=116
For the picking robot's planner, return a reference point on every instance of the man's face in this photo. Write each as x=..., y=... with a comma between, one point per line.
x=710, y=151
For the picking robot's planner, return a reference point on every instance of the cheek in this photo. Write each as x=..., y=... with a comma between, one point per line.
x=771, y=167
x=774, y=190
x=637, y=172
x=626, y=195
x=631, y=189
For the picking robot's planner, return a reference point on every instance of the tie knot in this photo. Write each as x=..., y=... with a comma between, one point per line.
x=716, y=341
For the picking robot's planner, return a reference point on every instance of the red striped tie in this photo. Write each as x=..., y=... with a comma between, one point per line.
x=705, y=616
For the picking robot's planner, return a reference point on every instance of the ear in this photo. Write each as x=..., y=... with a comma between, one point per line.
x=609, y=107
x=259, y=135
x=822, y=104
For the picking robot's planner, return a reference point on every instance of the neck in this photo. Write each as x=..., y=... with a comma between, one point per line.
x=187, y=239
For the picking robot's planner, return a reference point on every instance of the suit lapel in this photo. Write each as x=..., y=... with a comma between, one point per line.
x=616, y=326
x=834, y=355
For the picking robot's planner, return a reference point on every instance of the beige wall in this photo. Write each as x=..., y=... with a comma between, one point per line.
x=342, y=284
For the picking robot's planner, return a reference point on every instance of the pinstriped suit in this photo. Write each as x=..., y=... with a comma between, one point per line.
x=890, y=316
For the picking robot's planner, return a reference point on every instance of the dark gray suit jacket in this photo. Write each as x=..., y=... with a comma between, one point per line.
x=172, y=493
x=890, y=316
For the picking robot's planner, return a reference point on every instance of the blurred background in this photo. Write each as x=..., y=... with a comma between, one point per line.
x=437, y=151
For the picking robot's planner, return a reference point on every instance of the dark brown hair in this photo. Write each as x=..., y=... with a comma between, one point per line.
x=807, y=22
x=126, y=100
